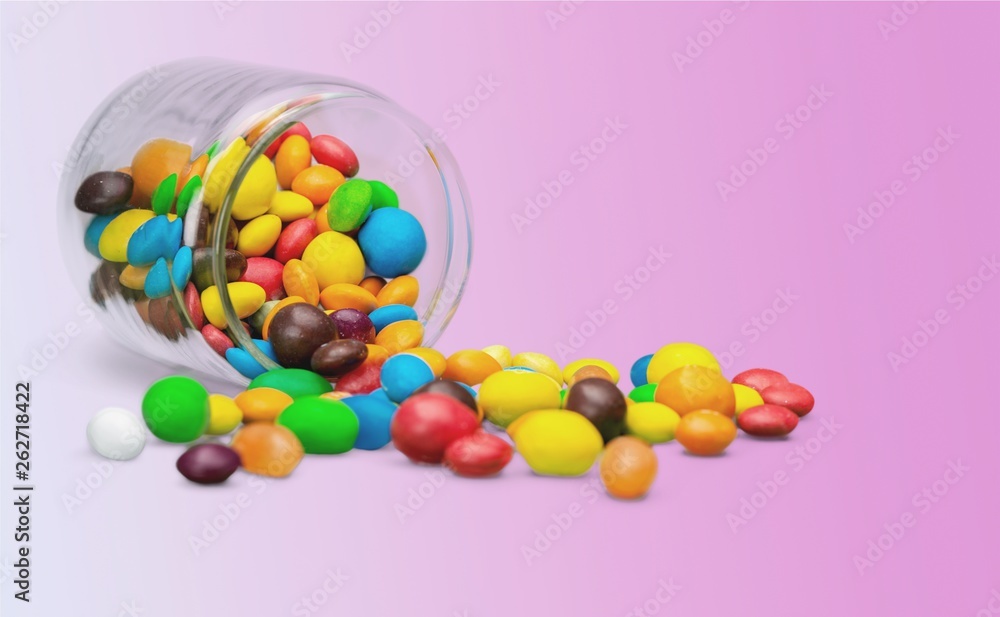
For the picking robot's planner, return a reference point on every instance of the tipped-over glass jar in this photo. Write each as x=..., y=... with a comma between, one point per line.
x=184, y=156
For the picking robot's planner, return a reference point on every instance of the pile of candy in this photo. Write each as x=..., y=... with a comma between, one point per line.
x=457, y=410
x=318, y=261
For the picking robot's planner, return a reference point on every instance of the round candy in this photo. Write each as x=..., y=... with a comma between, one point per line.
x=317, y=183
x=638, y=372
x=267, y=449
x=507, y=395
x=323, y=425
x=539, y=362
x=470, y=366
x=294, y=382
x=116, y=433
x=338, y=357
x=570, y=369
x=675, y=355
x=768, y=421
x=373, y=284
x=392, y=242
x=175, y=409
x=457, y=391
x=601, y=402
x=426, y=424
x=391, y=313
x=362, y=380
x=350, y=205
x=374, y=417
x=246, y=298
x=746, y=397
x=265, y=328
x=434, y=358
x=292, y=158
x=590, y=371
x=696, y=387
x=259, y=235
x=555, y=442
x=400, y=290
x=790, y=395
x=500, y=353
x=759, y=378
x=402, y=374
x=353, y=324
x=113, y=244
x=296, y=129
x=478, y=455
x=104, y=192
x=331, y=151
x=345, y=295
x=628, y=467
x=297, y=331
x=294, y=239
x=256, y=191
x=216, y=339
x=247, y=365
x=298, y=280
x=643, y=394
x=153, y=162
x=224, y=414
x=400, y=336
x=262, y=404
x=334, y=258
x=92, y=236
x=208, y=463
x=654, y=422
x=201, y=269
x=705, y=432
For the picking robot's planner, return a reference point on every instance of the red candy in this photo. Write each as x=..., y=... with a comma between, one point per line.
x=296, y=129
x=426, y=424
x=293, y=240
x=478, y=455
x=330, y=151
x=790, y=395
x=768, y=421
x=362, y=380
x=216, y=339
x=192, y=300
x=759, y=378
x=266, y=272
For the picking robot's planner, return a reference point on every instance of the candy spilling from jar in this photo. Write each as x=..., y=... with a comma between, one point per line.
x=470, y=412
x=318, y=261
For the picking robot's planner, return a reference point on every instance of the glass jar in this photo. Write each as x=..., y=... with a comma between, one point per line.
x=203, y=102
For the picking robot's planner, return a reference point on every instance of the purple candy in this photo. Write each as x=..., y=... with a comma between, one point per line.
x=353, y=324
x=208, y=463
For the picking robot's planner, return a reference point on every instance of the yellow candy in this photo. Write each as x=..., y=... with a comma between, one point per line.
x=262, y=404
x=334, y=258
x=255, y=192
x=401, y=336
x=224, y=414
x=539, y=362
x=246, y=299
x=134, y=277
x=500, y=353
x=555, y=442
x=377, y=353
x=507, y=395
x=654, y=422
x=675, y=355
x=576, y=365
x=259, y=235
x=289, y=206
x=274, y=311
x=299, y=280
x=746, y=397
x=400, y=290
x=113, y=244
x=434, y=358
x=344, y=295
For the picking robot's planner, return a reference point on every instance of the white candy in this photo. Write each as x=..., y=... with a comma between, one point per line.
x=116, y=433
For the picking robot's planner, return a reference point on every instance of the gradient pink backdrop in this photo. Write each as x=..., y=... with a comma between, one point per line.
x=654, y=186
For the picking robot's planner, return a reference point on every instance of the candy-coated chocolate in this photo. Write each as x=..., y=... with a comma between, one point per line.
x=353, y=324
x=426, y=424
x=746, y=397
x=638, y=372
x=768, y=420
x=216, y=339
x=652, y=421
x=401, y=336
x=334, y=258
x=391, y=313
x=104, y=192
x=338, y=357
x=628, y=467
x=265, y=329
x=676, y=355
x=113, y=244
x=297, y=331
x=328, y=150
x=296, y=129
x=322, y=425
x=116, y=434
x=705, y=432
x=400, y=290
x=790, y=395
x=507, y=395
x=292, y=158
x=317, y=183
x=245, y=297
x=294, y=239
x=266, y=273
x=694, y=387
x=539, y=362
x=393, y=242
x=601, y=402
x=208, y=463
x=153, y=162
x=298, y=280
x=374, y=418
x=759, y=378
x=293, y=382
x=347, y=296
x=224, y=415
x=500, y=353
x=290, y=206
x=262, y=404
x=576, y=365
x=236, y=266
x=434, y=359
x=555, y=442
x=455, y=390
x=258, y=236
x=373, y=284
x=349, y=206
x=402, y=374
x=478, y=455
x=267, y=449
x=470, y=366
x=383, y=196
x=175, y=409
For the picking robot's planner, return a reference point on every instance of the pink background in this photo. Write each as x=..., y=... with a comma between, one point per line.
x=654, y=186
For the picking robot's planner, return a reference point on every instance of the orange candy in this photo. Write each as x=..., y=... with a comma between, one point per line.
x=267, y=449
x=705, y=432
x=197, y=168
x=293, y=158
x=400, y=336
x=265, y=328
x=298, y=279
x=344, y=295
x=434, y=359
x=628, y=467
x=471, y=366
x=317, y=183
x=373, y=284
x=322, y=222
x=590, y=371
x=377, y=354
x=696, y=387
x=262, y=404
x=153, y=162
x=400, y=290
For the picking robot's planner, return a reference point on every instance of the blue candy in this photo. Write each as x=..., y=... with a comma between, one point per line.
x=92, y=236
x=391, y=313
x=243, y=362
x=402, y=374
x=374, y=413
x=158, y=280
x=392, y=242
x=638, y=372
x=155, y=238
x=180, y=269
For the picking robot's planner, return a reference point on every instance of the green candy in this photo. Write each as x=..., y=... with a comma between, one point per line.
x=350, y=205
x=163, y=194
x=210, y=153
x=324, y=426
x=562, y=397
x=295, y=382
x=383, y=196
x=643, y=394
x=176, y=409
x=187, y=193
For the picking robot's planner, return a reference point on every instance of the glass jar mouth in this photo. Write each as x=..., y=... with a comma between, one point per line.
x=262, y=130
